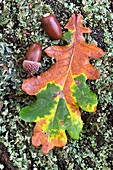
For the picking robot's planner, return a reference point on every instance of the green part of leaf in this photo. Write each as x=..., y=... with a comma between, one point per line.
x=50, y=104
x=43, y=104
x=67, y=36
x=74, y=127
x=60, y=114
x=84, y=97
x=63, y=120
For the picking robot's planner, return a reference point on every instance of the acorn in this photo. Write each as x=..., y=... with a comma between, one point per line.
x=34, y=52
x=31, y=64
x=51, y=26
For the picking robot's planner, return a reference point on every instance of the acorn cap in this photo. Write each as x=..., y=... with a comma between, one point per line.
x=30, y=67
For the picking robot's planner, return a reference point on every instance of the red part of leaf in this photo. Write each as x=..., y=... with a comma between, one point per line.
x=40, y=138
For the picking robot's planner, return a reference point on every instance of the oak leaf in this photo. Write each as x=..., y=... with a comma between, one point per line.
x=62, y=89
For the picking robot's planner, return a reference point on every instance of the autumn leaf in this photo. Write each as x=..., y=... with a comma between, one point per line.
x=62, y=89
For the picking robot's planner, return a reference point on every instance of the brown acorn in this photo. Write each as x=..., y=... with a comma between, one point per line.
x=31, y=64
x=34, y=52
x=51, y=26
